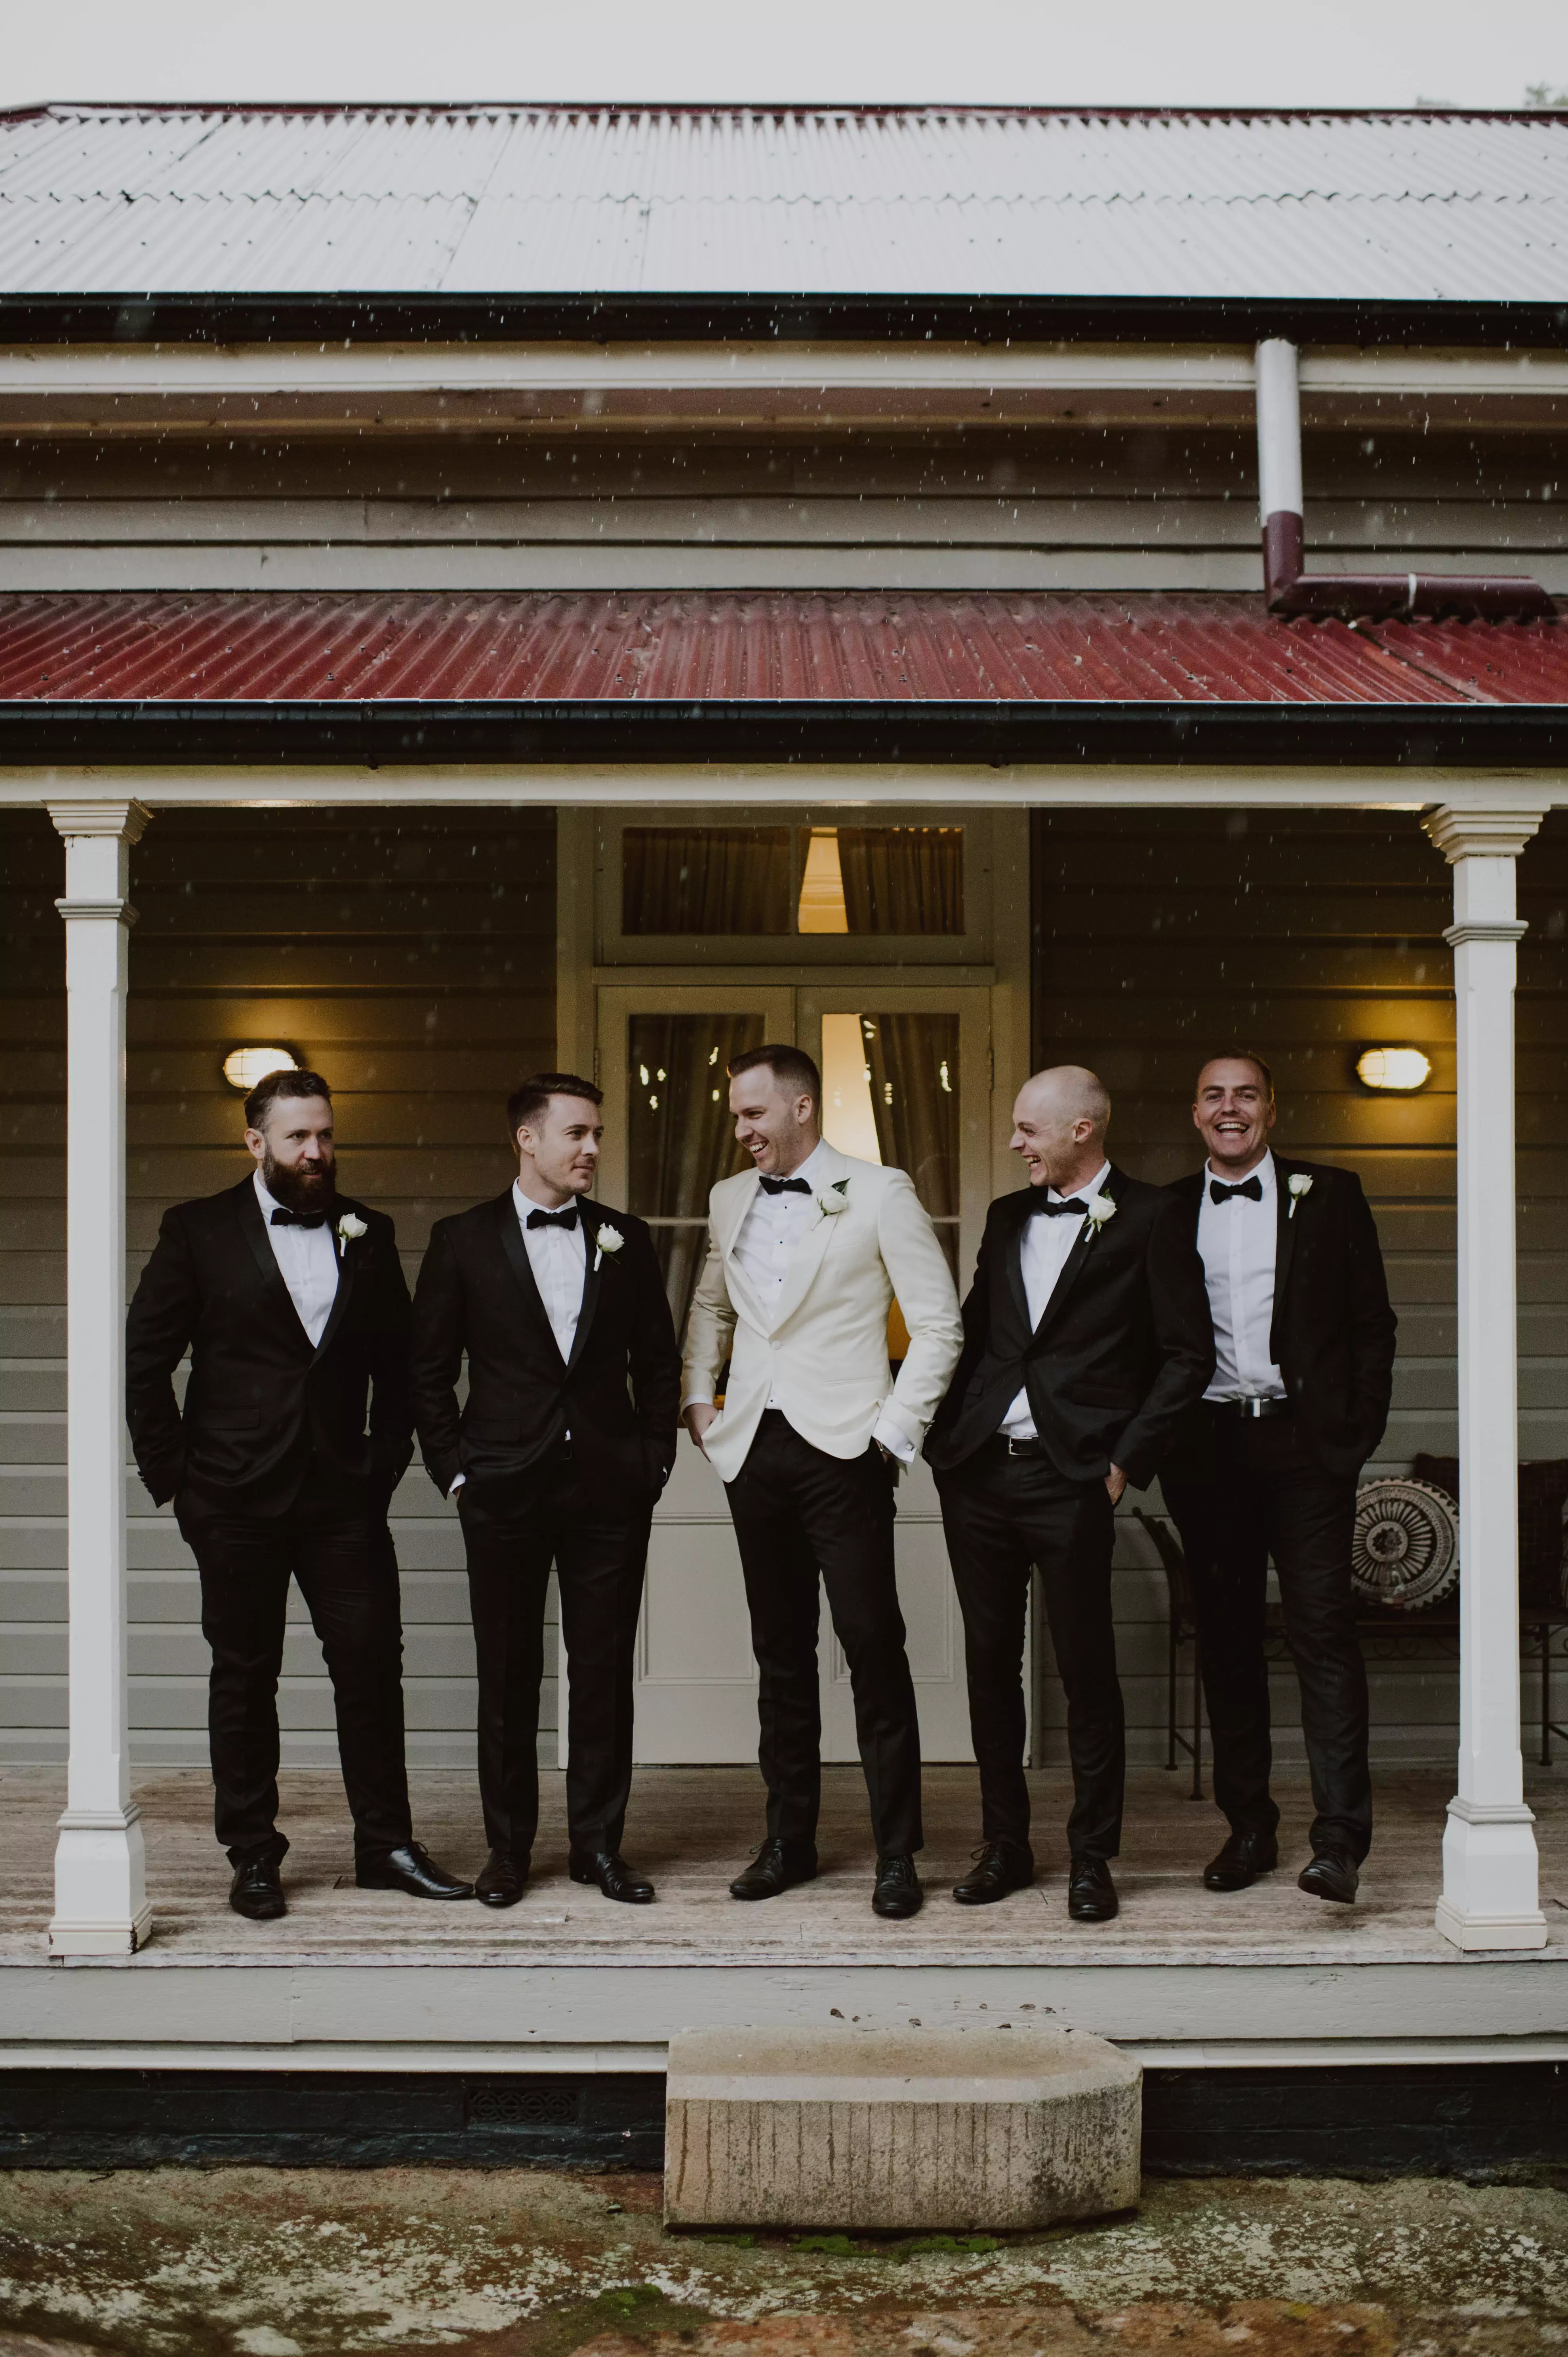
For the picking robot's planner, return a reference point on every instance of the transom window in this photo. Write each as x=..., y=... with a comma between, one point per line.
x=779, y=881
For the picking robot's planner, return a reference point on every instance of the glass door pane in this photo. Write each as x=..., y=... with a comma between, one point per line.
x=890, y=1095
x=680, y=1137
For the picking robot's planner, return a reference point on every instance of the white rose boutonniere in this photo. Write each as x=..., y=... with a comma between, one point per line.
x=1300, y=1185
x=834, y=1197
x=350, y=1226
x=1101, y=1209
x=608, y=1240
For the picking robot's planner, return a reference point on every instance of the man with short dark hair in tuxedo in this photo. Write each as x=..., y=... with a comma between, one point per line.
x=1086, y=1334
x=558, y=1457
x=1267, y=1464
x=292, y=1302
x=807, y=1251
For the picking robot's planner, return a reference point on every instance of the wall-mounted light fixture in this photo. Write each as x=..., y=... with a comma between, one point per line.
x=243, y=1067
x=1401, y=1070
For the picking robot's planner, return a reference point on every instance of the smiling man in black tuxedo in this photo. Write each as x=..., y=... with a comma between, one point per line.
x=1086, y=1335
x=1267, y=1464
x=292, y=1302
x=559, y=1303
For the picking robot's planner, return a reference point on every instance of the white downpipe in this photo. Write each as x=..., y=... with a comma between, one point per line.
x=1279, y=428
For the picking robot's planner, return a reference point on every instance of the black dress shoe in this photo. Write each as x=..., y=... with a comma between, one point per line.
x=614, y=1876
x=778, y=1866
x=1003, y=1867
x=1242, y=1859
x=409, y=1868
x=501, y=1878
x=1090, y=1893
x=257, y=1890
x=897, y=1891
x=1331, y=1875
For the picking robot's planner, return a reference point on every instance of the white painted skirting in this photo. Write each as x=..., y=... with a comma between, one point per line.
x=1431, y=2006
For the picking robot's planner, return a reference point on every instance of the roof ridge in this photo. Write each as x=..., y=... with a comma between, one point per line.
x=999, y=110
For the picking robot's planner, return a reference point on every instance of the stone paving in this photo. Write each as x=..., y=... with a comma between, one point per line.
x=279, y=2263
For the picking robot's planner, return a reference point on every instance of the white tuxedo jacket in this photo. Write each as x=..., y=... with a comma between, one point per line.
x=822, y=1344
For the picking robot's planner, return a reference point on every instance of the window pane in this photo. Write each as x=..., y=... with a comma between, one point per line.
x=681, y=1138
x=902, y=879
x=705, y=879
x=911, y=1061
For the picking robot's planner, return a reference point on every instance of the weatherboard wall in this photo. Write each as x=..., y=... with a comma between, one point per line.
x=1086, y=506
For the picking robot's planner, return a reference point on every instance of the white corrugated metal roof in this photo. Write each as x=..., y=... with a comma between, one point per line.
x=1419, y=208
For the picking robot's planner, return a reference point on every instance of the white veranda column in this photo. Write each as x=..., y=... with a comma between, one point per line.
x=101, y=1900
x=1489, y=1889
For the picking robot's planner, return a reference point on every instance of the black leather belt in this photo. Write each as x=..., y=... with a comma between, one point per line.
x=1249, y=1411
x=1007, y=1446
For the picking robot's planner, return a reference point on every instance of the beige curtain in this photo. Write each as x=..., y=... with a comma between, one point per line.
x=914, y=1096
x=681, y=1144
x=902, y=879
x=705, y=879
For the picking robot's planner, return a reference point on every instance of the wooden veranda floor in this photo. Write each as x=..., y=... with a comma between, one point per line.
x=692, y=1828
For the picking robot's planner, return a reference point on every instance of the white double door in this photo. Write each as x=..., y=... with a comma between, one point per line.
x=696, y=1678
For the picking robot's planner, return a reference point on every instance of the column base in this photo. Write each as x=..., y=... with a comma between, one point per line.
x=101, y=1885
x=1490, y=1893
x=1490, y=1931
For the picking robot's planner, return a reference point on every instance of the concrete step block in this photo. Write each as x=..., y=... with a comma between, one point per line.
x=898, y=2130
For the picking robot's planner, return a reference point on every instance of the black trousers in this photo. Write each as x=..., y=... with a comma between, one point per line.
x=1240, y=1492
x=600, y=1552
x=339, y=1550
x=1004, y=1516
x=801, y=1516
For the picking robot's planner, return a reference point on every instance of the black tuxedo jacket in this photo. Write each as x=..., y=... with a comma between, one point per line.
x=261, y=1403
x=1333, y=1333
x=1123, y=1347
x=476, y=1293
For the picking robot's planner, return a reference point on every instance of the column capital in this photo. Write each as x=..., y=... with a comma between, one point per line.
x=126, y=820
x=1479, y=929
x=1462, y=833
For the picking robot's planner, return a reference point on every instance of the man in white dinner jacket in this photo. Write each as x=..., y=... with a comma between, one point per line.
x=806, y=1253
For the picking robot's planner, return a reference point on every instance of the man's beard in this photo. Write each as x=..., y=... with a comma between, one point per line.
x=309, y=1188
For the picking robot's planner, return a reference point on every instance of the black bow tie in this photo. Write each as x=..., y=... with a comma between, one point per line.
x=1074, y=1203
x=282, y=1219
x=566, y=1219
x=1251, y=1188
x=786, y=1186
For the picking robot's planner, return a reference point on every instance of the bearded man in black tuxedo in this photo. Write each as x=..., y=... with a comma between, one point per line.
x=560, y=1306
x=1086, y=1335
x=1267, y=1464
x=292, y=1302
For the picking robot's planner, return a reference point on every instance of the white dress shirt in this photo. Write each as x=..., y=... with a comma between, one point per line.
x=769, y=1235
x=559, y=1259
x=1045, y=1250
x=1237, y=1241
x=308, y=1262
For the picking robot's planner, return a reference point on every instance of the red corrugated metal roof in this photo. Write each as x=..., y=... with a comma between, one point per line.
x=771, y=646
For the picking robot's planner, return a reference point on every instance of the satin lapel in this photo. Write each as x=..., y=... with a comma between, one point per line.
x=1015, y=1259
x=1284, y=1249
x=521, y=1267
x=253, y=1228
x=1072, y=1270
x=348, y=1267
x=590, y=1216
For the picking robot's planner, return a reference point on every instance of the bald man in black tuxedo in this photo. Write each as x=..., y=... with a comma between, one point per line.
x=1087, y=1334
